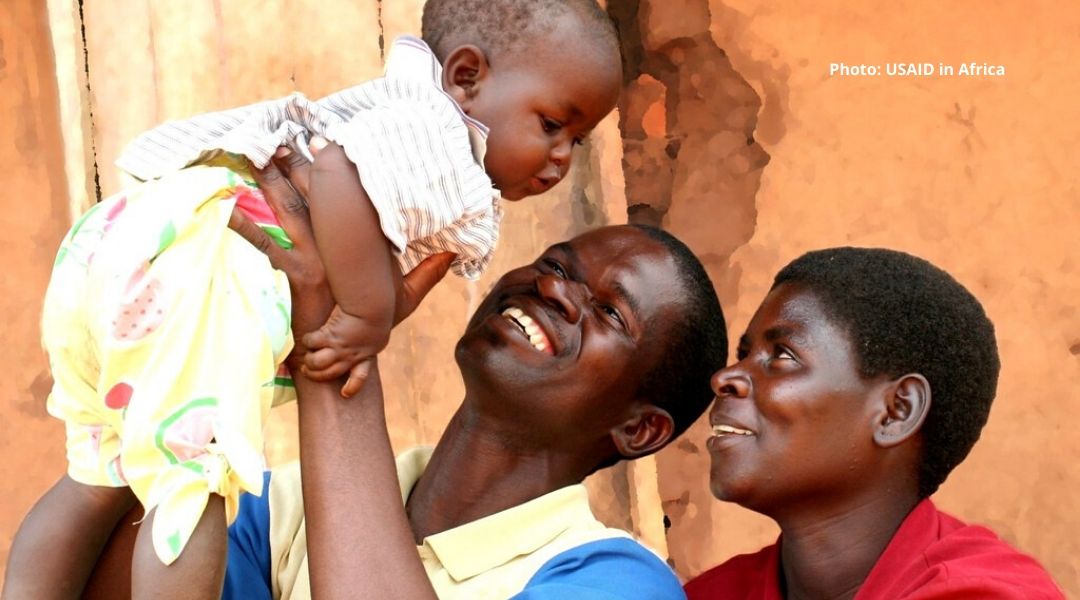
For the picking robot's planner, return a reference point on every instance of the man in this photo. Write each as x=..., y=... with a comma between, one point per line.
x=597, y=352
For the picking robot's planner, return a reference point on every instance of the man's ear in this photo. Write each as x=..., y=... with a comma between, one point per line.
x=647, y=431
x=905, y=405
x=464, y=71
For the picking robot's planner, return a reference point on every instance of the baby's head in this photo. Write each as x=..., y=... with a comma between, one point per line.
x=540, y=74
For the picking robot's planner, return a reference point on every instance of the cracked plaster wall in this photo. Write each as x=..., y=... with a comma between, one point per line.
x=730, y=133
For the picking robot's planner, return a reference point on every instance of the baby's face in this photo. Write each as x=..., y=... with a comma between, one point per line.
x=538, y=104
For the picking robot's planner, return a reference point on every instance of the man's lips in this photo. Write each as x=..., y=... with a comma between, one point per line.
x=529, y=328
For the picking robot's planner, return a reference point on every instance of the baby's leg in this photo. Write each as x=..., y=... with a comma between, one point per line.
x=60, y=540
x=198, y=573
x=111, y=578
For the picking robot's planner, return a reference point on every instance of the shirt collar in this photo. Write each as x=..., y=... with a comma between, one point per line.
x=474, y=548
x=411, y=57
x=917, y=531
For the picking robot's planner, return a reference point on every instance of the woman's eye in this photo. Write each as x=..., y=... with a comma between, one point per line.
x=556, y=267
x=579, y=141
x=782, y=353
x=550, y=125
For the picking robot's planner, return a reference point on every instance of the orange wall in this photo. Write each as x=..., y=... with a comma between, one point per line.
x=977, y=175
x=33, y=218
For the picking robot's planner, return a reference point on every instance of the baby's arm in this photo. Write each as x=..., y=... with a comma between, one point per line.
x=360, y=267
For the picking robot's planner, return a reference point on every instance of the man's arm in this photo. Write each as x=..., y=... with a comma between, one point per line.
x=359, y=540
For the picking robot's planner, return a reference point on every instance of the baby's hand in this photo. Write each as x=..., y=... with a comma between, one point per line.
x=345, y=343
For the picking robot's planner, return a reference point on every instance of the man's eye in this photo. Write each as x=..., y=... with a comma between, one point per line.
x=741, y=354
x=550, y=125
x=556, y=267
x=613, y=313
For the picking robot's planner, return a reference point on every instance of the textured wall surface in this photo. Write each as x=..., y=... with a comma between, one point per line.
x=976, y=174
x=731, y=133
x=34, y=219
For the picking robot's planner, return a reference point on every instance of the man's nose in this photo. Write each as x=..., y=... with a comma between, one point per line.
x=730, y=383
x=564, y=295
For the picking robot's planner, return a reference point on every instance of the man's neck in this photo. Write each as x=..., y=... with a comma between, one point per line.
x=474, y=472
x=828, y=553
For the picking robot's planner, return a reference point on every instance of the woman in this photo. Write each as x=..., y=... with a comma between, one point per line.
x=863, y=379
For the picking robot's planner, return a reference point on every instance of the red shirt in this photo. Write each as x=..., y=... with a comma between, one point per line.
x=932, y=556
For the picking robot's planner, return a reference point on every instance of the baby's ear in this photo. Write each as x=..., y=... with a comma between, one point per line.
x=464, y=71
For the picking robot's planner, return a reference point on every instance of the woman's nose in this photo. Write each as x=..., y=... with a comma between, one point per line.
x=730, y=382
x=564, y=295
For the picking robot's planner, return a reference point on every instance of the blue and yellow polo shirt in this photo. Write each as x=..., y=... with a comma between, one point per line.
x=550, y=547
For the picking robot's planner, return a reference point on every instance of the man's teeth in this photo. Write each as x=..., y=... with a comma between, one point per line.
x=729, y=430
x=528, y=325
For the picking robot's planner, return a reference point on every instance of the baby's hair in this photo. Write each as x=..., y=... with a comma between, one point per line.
x=904, y=315
x=498, y=26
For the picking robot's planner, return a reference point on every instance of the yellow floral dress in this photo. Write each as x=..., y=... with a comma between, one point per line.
x=166, y=333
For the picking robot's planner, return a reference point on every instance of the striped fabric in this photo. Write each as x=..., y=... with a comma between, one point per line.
x=420, y=158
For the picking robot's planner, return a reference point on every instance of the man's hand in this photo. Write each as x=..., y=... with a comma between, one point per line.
x=284, y=181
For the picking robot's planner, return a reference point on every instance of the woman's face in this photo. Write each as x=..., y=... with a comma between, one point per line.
x=791, y=423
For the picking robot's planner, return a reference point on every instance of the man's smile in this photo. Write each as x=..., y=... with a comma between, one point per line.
x=528, y=326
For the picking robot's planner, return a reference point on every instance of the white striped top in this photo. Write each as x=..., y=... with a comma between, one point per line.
x=420, y=158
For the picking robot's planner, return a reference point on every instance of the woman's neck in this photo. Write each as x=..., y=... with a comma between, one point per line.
x=475, y=471
x=828, y=553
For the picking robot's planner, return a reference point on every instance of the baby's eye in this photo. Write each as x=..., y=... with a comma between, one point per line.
x=550, y=125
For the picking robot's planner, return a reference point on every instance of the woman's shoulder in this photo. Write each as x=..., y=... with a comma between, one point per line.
x=742, y=576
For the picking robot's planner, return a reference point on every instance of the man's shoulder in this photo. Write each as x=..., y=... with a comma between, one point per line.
x=608, y=568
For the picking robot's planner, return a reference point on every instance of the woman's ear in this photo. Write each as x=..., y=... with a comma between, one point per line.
x=647, y=431
x=906, y=404
x=464, y=71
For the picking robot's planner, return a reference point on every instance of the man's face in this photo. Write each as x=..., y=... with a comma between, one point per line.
x=539, y=103
x=558, y=349
x=792, y=420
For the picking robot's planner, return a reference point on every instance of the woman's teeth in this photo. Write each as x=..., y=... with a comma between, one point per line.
x=528, y=326
x=729, y=430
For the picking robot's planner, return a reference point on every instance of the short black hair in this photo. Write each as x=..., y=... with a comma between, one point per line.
x=904, y=315
x=496, y=26
x=679, y=383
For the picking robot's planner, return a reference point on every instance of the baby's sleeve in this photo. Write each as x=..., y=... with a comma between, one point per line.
x=416, y=164
x=254, y=131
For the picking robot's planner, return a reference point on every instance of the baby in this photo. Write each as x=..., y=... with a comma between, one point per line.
x=166, y=332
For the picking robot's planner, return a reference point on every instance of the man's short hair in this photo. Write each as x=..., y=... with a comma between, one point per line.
x=679, y=383
x=904, y=315
x=497, y=26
